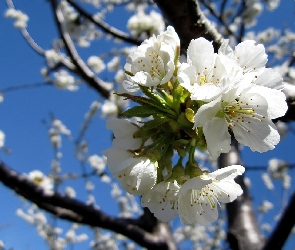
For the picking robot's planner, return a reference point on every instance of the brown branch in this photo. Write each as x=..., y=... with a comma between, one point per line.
x=146, y=230
x=243, y=230
x=189, y=21
x=27, y=35
x=104, y=26
x=82, y=69
x=283, y=228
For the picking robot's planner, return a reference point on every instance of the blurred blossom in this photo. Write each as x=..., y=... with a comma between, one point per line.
x=265, y=206
x=277, y=168
x=97, y=162
x=20, y=18
x=41, y=180
x=145, y=24
x=266, y=227
x=96, y=64
x=267, y=181
x=114, y=64
x=70, y=192
x=63, y=80
x=2, y=139
x=282, y=129
x=247, y=181
x=89, y=185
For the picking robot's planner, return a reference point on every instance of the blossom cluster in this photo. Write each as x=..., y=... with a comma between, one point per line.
x=197, y=104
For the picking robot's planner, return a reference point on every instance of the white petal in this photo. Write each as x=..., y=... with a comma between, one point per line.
x=271, y=79
x=217, y=137
x=165, y=212
x=276, y=100
x=227, y=191
x=263, y=136
x=226, y=173
x=205, y=92
x=115, y=156
x=200, y=54
x=195, y=183
x=207, y=112
x=120, y=127
x=250, y=56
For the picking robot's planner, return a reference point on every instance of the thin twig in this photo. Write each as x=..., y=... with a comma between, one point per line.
x=82, y=69
x=27, y=35
x=105, y=27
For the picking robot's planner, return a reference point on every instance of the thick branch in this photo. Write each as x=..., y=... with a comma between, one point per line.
x=82, y=69
x=145, y=234
x=189, y=21
x=283, y=228
x=243, y=230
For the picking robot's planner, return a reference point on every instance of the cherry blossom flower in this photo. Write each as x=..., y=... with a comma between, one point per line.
x=199, y=196
x=206, y=74
x=248, y=113
x=153, y=61
x=162, y=200
x=41, y=180
x=123, y=131
x=136, y=174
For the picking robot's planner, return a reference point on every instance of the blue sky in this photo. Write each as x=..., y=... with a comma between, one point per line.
x=22, y=113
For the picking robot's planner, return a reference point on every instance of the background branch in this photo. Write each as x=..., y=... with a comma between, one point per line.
x=147, y=231
x=243, y=230
x=283, y=228
x=104, y=26
x=82, y=70
x=189, y=21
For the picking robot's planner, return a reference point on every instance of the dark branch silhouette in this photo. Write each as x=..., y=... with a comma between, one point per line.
x=147, y=231
x=243, y=230
x=104, y=26
x=283, y=228
x=189, y=21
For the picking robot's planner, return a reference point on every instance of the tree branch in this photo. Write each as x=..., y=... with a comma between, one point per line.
x=146, y=230
x=283, y=228
x=82, y=70
x=243, y=230
x=189, y=21
x=104, y=26
x=27, y=35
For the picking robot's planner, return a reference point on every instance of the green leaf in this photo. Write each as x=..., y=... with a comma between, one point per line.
x=141, y=111
x=154, y=123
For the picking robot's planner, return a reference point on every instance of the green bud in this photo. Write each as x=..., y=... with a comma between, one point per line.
x=178, y=172
x=189, y=114
x=154, y=154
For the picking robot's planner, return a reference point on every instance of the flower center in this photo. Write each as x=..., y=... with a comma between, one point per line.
x=157, y=66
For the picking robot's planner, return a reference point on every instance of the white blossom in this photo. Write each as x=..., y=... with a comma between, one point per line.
x=41, y=180
x=206, y=74
x=139, y=23
x=135, y=174
x=267, y=181
x=2, y=139
x=97, y=162
x=70, y=192
x=63, y=80
x=123, y=131
x=199, y=196
x=162, y=200
x=20, y=18
x=96, y=64
x=248, y=113
x=153, y=61
x=265, y=206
